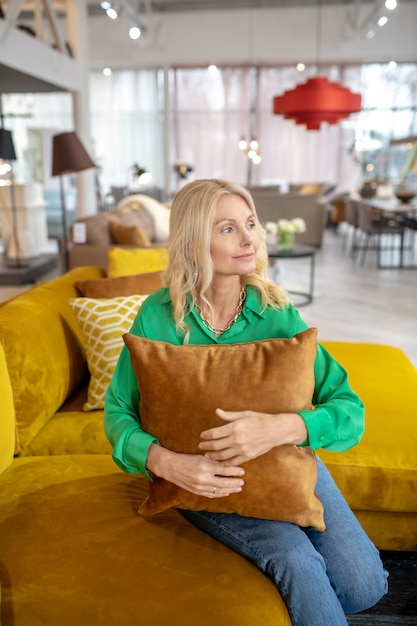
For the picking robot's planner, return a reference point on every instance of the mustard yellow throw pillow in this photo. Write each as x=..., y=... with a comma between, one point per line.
x=307, y=190
x=181, y=387
x=122, y=262
x=103, y=323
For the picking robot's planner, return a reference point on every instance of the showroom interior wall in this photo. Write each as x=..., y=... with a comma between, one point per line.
x=257, y=37
x=156, y=107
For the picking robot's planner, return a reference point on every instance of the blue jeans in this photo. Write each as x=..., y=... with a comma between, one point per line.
x=321, y=576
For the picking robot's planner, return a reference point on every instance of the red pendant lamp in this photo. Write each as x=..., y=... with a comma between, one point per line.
x=316, y=101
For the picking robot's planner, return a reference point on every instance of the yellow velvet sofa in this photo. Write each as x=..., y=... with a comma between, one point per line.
x=73, y=549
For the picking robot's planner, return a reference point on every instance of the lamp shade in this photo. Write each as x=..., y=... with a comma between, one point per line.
x=69, y=155
x=6, y=145
x=316, y=101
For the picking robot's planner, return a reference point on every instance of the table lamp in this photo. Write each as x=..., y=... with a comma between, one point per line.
x=68, y=156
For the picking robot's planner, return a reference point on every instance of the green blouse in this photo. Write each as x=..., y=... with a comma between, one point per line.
x=336, y=422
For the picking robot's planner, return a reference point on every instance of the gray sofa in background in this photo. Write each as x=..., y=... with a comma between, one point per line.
x=272, y=205
x=135, y=210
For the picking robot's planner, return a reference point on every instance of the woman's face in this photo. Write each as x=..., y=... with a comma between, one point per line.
x=234, y=239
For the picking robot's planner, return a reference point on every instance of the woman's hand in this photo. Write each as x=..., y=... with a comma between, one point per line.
x=195, y=473
x=249, y=434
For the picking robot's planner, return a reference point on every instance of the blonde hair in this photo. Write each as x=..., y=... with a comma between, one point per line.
x=190, y=268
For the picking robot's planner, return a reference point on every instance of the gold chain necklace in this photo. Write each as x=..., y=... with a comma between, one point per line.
x=238, y=311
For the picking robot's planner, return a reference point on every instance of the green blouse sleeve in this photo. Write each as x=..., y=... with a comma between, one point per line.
x=121, y=415
x=337, y=420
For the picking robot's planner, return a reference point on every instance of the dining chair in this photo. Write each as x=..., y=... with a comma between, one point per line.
x=351, y=226
x=374, y=229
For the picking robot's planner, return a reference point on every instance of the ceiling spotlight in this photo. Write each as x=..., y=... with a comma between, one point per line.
x=390, y=4
x=107, y=71
x=105, y=5
x=134, y=32
x=111, y=13
x=382, y=20
x=300, y=67
x=392, y=65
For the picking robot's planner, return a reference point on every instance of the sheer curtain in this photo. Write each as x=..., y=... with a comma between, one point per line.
x=294, y=154
x=212, y=110
x=126, y=123
x=207, y=111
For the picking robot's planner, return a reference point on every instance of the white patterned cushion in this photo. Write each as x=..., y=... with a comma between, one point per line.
x=102, y=323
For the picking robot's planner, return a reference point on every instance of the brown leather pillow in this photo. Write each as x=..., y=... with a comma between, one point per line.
x=181, y=387
x=123, y=234
x=140, y=284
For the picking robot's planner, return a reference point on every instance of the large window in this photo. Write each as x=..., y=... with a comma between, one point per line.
x=127, y=125
x=389, y=95
x=198, y=116
x=214, y=109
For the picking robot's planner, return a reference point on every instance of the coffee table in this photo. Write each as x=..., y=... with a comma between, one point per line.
x=299, y=251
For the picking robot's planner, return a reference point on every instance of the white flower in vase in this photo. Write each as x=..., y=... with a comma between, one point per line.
x=285, y=230
x=271, y=227
x=299, y=225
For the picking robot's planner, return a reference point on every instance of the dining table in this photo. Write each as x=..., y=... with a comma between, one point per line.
x=405, y=213
x=392, y=205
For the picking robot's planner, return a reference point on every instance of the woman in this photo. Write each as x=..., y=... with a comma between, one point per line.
x=218, y=292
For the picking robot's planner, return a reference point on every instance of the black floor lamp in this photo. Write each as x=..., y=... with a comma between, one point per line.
x=68, y=156
x=7, y=153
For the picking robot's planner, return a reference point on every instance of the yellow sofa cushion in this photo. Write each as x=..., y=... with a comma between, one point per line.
x=121, y=262
x=74, y=551
x=103, y=323
x=380, y=473
x=41, y=338
x=7, y=419
x=71, y=432
x=390, y=531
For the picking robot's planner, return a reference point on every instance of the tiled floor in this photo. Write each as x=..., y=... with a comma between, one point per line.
x=354, y=302
x=351, y=302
